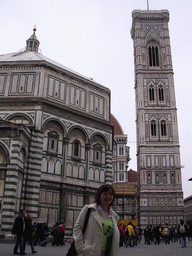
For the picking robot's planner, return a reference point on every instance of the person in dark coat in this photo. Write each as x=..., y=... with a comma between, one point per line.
x=157, y=235
x=18, y=230
x=55, y=234
x=44, y=234
x=28, y=233
x=147, y=234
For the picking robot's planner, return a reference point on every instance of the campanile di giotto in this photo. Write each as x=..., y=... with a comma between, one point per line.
x=158, y=152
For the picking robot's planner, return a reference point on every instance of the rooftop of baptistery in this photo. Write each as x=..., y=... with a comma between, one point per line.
x=117, y=127
x=31, y=55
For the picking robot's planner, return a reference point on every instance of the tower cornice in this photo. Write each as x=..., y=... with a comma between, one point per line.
x=148, y=16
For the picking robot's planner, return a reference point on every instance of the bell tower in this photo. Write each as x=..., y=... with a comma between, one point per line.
x=158, y=150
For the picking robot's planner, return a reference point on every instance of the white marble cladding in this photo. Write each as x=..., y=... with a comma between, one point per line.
x=74, y=93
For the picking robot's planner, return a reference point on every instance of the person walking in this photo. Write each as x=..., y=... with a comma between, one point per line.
x=18, y=230
x=55, y=234
x=147, y=234
x=101, y=237
x=182, y=233
x=176, y=234
x=61, y=234
x=28, y=233
x=122, y=234
x=131, y=234
x=157, y=235
x=44, y=233
x=166, y=233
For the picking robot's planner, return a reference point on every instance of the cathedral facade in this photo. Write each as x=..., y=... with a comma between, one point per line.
x=55, y=138
x=158, y=150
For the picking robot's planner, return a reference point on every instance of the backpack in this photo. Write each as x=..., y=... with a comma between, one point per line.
x=166, y=231
x=182, y=229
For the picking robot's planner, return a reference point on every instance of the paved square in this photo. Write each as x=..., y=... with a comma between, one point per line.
x=173, y=249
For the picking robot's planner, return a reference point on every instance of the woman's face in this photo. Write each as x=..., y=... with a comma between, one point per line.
x=107, y=198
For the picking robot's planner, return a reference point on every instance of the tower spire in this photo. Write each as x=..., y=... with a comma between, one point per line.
x=33, y=43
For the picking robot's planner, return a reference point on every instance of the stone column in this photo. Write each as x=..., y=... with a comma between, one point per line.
x=87, y=157
x=65, y=148
x=108, y=173
x=62, y=206
x=31, y=190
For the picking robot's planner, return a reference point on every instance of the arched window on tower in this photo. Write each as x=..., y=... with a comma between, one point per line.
x=161, y=94
x=121, y=151
x=163, y=129
x=153, y=55
x=151, y=94
x=153, y=129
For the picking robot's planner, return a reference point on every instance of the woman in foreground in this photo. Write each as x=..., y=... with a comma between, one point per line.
x=101, y=237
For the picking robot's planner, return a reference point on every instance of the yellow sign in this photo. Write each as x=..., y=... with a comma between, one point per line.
x=125, y=222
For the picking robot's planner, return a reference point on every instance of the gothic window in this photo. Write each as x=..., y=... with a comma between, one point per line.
x=163, y=129
x=153, y=56
x=121, y=151
x=151, y=94
x=76, y=149
x=121, y=166
x=97, y=149
x=121, y=176
x=161, y=94
x=153, y=129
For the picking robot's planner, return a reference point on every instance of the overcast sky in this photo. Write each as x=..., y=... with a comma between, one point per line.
x=92, y=37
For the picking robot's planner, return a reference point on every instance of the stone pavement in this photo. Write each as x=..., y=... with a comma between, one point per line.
x=173, y=249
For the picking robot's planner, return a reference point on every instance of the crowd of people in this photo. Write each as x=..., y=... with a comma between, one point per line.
x=35, y=234
x=130, y=235
x=107, y=236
